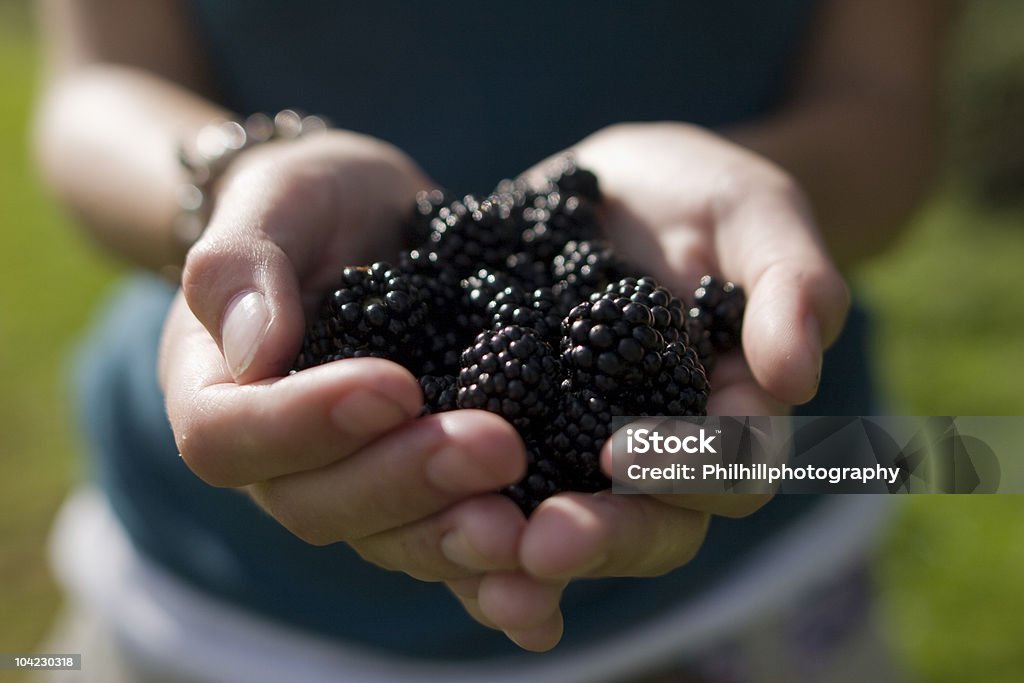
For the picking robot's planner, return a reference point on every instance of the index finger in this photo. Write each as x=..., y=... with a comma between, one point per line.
x=233, y=435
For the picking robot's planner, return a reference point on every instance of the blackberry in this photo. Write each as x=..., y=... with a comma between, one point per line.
x=610, y=345
x=543, y=479
x=512, y=373
x=513, y=196
x=375, y=311
x=588, y=262
x=700, y=339
x=469, y=234
x=679, y=389
x=718, y=307
x=527, y=271
x=439, y=393
x=669, y=312
x=479, y=291
x=577, y=434
x=538, y=312
x=582, y=269
x=555, y=219
x=442, y=339
x=573, y=180
x=416, y=230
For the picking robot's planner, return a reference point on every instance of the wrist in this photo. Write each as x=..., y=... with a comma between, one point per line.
x=207, y=157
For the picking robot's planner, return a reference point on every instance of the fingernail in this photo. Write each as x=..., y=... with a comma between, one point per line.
x=813, y=331
x=367, y=414
x=455, y=547
x=245, y=325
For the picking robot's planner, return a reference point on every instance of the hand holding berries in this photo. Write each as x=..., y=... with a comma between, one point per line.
x=677, y=200
x=334, y=453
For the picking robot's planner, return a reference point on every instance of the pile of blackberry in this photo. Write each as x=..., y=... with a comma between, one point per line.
x=514, y=303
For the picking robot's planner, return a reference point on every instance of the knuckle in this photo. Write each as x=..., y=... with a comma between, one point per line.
x=696, y=540
x=744, y=504
x=369, y=550
x=198, y=452
x=757, y=182
x=375, y=555
x=835, y=289
x=783, y=185
x=684, y=534
x=616, y=129
x=203, y=265
x=210, y=451
x=293, y=513
x=401, y=555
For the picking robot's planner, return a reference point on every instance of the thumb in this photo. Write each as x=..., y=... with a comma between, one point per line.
x=244, y=289
x=797, y=300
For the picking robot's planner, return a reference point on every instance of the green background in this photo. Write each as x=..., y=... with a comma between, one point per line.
x=950, y=341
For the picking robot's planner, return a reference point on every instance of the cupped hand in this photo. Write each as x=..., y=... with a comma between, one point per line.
x=680, y=202
x=333, y=453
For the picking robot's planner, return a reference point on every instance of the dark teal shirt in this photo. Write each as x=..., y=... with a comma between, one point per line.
x=478, y=91
x=474, y=91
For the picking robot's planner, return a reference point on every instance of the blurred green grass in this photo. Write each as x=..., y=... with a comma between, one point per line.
x=49, y=282
x=950, y=340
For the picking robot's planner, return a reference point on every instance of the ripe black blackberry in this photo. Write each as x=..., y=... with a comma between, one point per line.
x=555, y=219
x=610, y=345
x=374, y=311
x=582, y=269
x=574, y=180
x=543, y=479
x=538, y=312
x=443, y=339
x=513, y=373
x=718, y=307
x=680, y=388
x=513, y=195
x=577, y=434
x=700, y=340
x=669, y=313
x=416, y=229
x=588, y=262
x=528, y=271
x=479, y=291
x=469, y=234
x=439, y=393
